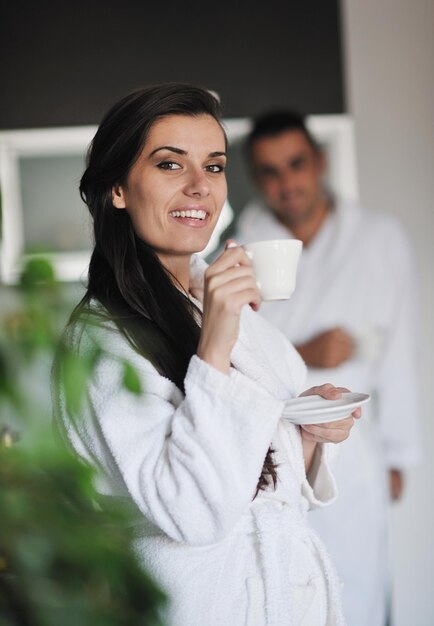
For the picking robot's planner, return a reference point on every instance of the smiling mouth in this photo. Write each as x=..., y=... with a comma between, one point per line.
x=194, y=214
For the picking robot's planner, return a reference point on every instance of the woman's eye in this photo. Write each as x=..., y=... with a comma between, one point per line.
x=215, y=168
x=169, y=165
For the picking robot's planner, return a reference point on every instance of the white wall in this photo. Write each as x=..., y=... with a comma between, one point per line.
x=390, y=88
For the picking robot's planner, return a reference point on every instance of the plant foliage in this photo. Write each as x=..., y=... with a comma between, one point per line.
x=64, y=558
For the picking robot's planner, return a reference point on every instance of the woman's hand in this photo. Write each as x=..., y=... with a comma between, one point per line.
x=229, y=284
x=331, y=432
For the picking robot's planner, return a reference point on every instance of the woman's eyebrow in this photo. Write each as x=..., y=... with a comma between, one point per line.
x=171, y=148
x=184, y=152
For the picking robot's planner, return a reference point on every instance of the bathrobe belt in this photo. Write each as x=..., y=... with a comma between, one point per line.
x=272, y=521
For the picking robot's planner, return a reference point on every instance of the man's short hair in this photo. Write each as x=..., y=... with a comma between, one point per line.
x=274, y=123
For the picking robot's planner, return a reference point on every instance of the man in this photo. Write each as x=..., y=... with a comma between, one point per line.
x=351, y=318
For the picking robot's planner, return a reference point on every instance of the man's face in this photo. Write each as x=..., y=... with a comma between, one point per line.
x=287, y=171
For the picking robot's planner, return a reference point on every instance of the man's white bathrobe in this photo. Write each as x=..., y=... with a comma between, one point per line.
x=357, y=273
x=191, y=465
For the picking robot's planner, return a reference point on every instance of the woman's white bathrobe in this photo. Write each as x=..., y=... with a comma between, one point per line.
x=191, y=465
x=357, y=273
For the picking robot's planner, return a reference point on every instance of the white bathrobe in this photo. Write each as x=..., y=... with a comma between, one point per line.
x=191, y=465
x=357, y=273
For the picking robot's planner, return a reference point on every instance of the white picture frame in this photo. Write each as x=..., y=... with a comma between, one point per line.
x=334, y=131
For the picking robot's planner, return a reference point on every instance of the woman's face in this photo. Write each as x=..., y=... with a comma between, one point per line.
x=175, y=191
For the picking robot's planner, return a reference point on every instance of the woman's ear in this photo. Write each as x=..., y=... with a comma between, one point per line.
x=118, y=198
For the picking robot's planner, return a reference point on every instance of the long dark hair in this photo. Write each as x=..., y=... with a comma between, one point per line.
x=125, y=275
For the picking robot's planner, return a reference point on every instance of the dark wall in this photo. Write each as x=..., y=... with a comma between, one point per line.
x=64, y=62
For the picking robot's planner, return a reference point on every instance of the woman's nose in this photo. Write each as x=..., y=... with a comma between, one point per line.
x=197, y=183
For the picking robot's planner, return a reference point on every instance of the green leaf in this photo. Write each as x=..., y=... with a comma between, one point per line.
x=131, y=380
x=65, y=551
x=75, y=376
x=37, y=270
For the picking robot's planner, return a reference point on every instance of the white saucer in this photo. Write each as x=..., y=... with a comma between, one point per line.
x=317, y=410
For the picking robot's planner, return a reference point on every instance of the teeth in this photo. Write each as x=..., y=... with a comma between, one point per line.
x=197, y=214
x=201, y=214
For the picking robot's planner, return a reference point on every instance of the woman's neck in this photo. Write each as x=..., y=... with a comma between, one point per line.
x=179, y=268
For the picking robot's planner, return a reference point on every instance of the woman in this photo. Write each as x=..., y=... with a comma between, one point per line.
x=221, y=484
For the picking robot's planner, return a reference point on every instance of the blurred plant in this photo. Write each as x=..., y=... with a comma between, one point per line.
x=63, y=558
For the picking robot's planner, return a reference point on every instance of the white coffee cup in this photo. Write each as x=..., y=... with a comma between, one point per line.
x=275, y=266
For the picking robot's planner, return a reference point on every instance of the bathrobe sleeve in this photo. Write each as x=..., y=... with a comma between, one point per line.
x=269, y=358
x=319, y=487
x=191, y=464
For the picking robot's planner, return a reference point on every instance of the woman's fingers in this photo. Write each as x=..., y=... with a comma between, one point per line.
x=229, y=285
x=330, y=392
x=327, y=391
x=343, y=389
x=231, y=274
x=233, y=295
x=233, y=255
x=247, y=296
x=231, y=277
x=332, y=432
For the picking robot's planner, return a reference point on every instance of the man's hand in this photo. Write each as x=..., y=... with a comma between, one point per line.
x=328, y=349
x=396, y=484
